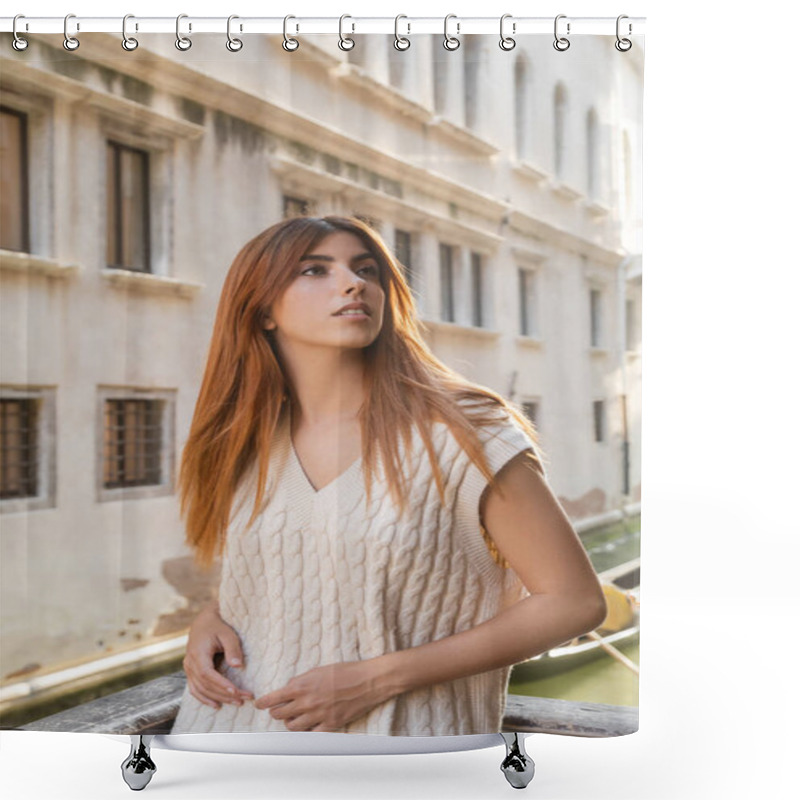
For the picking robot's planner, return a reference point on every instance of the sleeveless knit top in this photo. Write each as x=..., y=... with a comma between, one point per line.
x=321, y=577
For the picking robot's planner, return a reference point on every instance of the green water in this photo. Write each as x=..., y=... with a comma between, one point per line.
x=603, y=680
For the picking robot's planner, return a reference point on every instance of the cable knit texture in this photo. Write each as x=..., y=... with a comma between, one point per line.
x=321, y=577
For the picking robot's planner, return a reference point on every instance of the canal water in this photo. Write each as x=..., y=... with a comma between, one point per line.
x=603, y=680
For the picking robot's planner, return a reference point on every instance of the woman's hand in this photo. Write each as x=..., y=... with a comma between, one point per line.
x=209, y=637
x=327, y=698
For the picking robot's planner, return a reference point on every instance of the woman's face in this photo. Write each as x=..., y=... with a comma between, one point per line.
x=338, y=271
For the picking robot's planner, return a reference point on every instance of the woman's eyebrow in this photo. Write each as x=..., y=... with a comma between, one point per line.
x=353, y=260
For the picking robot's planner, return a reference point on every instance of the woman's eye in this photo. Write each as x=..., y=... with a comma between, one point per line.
x=309, y=269
x=371, y=268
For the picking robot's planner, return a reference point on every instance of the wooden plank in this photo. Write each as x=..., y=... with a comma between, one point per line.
x=568, y=718
x=151, y=708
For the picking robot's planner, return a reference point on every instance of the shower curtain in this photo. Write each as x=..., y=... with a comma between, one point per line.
x=504, y=181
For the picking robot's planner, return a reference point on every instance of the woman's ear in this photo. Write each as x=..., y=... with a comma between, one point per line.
x=269, y=323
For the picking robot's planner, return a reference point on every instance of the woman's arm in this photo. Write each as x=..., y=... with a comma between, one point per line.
x=533, y=534
x=531, y=531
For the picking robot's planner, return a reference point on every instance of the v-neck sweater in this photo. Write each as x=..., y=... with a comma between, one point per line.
x=321, y=577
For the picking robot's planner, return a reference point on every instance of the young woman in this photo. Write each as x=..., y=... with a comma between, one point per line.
x=389, y=544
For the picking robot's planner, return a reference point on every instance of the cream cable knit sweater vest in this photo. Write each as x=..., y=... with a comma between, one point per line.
x=321, y=578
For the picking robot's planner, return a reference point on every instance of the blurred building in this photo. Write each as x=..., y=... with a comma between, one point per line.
x=508, y=183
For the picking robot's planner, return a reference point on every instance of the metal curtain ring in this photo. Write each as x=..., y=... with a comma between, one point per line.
x=289, y=44
x=561, y=43
x=128, y=42
x=506, y=42
x=182, y=42
x=400, y=42
x=19, y=43
x=70, y=42
x=450, y=42
x=345, y=43
x=623, y=45
x=234, y=45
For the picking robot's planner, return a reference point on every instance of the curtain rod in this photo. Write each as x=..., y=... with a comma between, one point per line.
x=407, y=26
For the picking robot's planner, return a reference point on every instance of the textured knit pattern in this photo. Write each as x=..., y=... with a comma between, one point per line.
x=321, y=578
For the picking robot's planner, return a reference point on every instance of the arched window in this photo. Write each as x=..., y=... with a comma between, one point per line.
x=522, y=94
x=472, y=65
x=440, y=67
x=560, y=128
x=592, y=162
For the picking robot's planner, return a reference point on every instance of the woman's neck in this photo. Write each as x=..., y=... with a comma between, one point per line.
x=329, y=389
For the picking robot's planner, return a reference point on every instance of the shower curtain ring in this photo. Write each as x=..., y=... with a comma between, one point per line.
x=400, y=42
x=623, y=45
x=561, y=43
x=289, y=44
x=70, y=42
x=345, y=43
x=19, y=43
x=128, y=42
x=234, y=45
x=182, y=42
x=506, y=42
x=451, y=42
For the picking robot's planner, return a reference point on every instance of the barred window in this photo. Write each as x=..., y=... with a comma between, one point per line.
x=295, y=207
x=127, y=208
x=19, y=447
x=446, y=278
x=132, y=443
x=595, y=319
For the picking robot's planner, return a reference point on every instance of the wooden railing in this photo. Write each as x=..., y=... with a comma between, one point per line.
x=150, y=708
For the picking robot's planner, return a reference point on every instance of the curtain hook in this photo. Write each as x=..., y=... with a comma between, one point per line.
x=70, y=42
x=128, y=42
x=19, y=43
x=345, y=43
x=506, y=42
x=561, y=43
x=400, y=42
x=623, y=45
x=450, y=42
x=183, y=43
x=289, y=44
x=234, y=45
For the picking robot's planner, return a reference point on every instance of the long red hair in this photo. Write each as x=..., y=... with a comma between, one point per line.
x=244, y=386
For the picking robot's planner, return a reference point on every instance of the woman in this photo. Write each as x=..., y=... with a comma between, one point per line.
x=369, y=584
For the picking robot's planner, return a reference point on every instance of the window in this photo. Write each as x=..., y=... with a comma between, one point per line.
x=127, y=207
x=591, y=154
x=595, y=317
x=476, y=265
x=627, y=175
x=472, y=67
x=446, y=282
x=402, y=251
x=19, y=446
x=531, y=409
x=560, y=128
x=631, y=326
x=132, y=443
x=294, y=207
x=599, y=420
x=521, y=106
x=14, y=233
x=137, y=451
x=528, y=321
x=27, y=451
